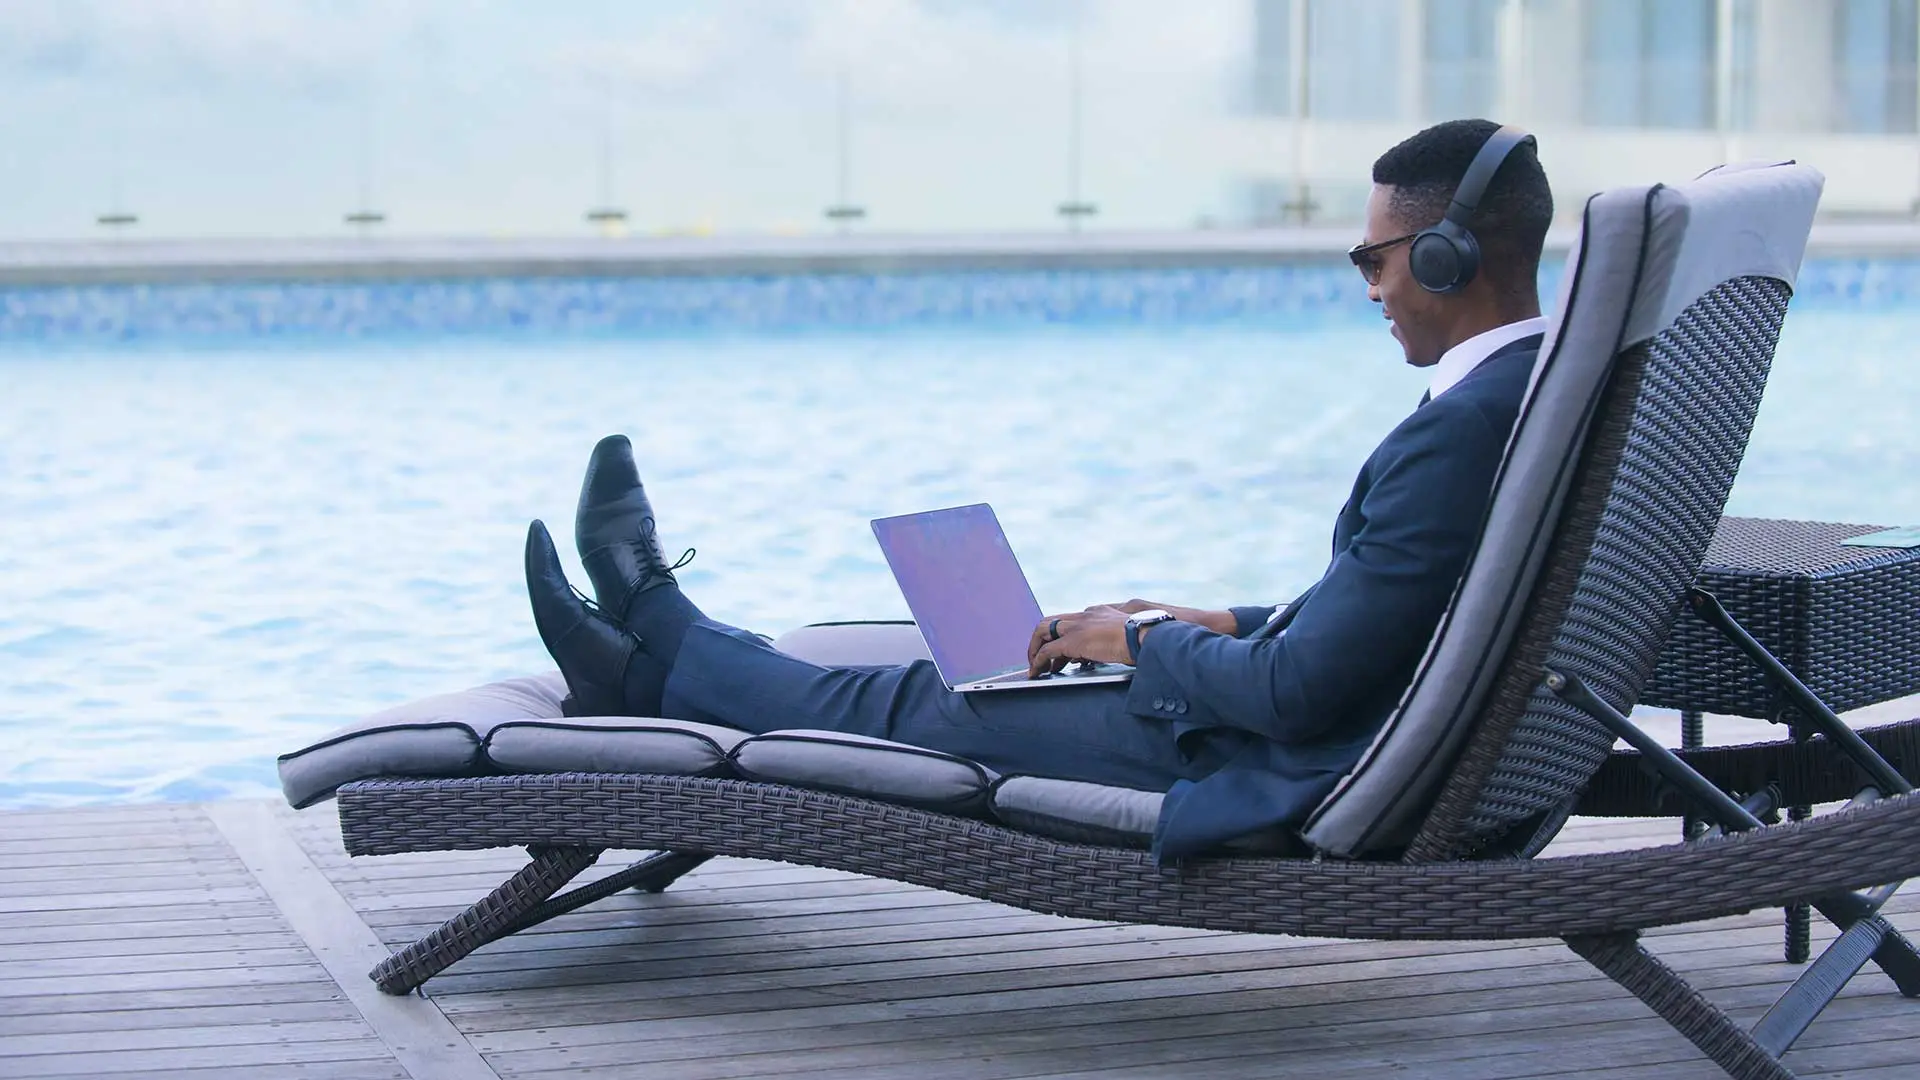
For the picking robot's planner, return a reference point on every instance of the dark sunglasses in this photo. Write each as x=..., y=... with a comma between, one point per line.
x=1367, y=256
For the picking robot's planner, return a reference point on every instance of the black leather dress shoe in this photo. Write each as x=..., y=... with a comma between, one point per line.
x=591, y=649
x=614, y=530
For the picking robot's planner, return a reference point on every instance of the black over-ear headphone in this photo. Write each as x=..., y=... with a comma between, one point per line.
x=1445, y=257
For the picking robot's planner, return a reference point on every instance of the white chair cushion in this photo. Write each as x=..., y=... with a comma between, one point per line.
x=613, y=744
x=434, y=736
x=1080, y=812
x=865, y=766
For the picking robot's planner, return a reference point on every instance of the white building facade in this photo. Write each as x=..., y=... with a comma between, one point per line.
x=1619, y=91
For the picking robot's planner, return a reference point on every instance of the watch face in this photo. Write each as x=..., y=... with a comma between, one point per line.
x=1149, y=617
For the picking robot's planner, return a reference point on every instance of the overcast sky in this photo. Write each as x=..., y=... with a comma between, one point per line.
x=265, y=117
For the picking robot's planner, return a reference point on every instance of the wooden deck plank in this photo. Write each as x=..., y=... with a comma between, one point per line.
x=361, y=1069
x=210, y=939
x=183, y=1059
x=305, y=971
x=1006, y=932
x=1347, y=1039
x=750, y=969
x=107, y=902
x=1208, y=989
x=623, y=953
x=111, y=997
x=195, y=875
x=92, y=967
x=1505, y=1056
x=165, y=963
x=1494, y=1050
x=149, y=815
x=642, y=983
x=691, y=1003
x=273, y=1032
x=700, y=1014
x=251, y=907
x=40, y=858
x=102, y=837
x=1427, y=1009
x=232, y=1015
x=99, y=939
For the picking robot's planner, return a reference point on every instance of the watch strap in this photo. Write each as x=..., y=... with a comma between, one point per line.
x=1133, y=634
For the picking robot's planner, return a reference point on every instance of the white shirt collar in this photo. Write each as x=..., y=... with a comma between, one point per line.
x=1458, y=362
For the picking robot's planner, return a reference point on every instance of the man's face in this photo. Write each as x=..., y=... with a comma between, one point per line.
x=1416, y=314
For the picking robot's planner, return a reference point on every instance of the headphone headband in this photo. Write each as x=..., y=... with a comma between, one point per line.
x=1473, y=186
x=1445, y=256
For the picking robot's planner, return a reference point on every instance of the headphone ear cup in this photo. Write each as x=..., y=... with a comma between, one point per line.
x=1467, y=249
x=1434, y=260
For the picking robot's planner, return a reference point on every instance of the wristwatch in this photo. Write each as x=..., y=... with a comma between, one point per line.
x=1149, y=617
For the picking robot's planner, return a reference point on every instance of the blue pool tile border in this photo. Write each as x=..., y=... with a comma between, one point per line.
x=641, y=306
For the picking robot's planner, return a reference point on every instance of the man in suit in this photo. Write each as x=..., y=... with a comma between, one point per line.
x=1247, y=717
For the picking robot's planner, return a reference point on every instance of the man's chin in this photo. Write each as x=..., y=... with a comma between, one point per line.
x=1414, y=358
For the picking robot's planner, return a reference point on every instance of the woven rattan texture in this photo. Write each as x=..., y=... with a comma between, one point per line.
x=1808, y=775
x=1661, y=459
x=1663, y=990
x=1846, y=620
x=482, y=922
x=1494, y=899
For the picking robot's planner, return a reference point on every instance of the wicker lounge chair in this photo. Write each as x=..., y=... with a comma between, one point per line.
x=1616, y=474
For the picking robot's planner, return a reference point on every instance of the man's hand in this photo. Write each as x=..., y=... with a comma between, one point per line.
x=1098, y=634
x=1220, y=622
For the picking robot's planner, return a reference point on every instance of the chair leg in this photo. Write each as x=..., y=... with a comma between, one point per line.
x=499, y=913
x=666, y=868
x=1624, y=960
x=1816, y=987
x=1897, y=958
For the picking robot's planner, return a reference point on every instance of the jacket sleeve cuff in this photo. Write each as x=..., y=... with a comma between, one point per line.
x=1248, y=619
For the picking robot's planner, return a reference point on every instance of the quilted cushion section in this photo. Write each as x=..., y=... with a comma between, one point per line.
x=434, y=736
x=1081, y=812
x=611, y=744
x=865, y=766
x=1109, y=816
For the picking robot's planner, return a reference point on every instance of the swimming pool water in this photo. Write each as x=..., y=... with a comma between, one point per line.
x=216, y=553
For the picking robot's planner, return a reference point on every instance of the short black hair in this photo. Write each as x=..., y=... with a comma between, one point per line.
x=1512, y=219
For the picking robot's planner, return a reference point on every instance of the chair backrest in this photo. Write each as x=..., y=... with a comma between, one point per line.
x=1617, y=471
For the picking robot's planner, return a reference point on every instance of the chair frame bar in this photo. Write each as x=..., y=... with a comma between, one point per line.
x=1865, y=937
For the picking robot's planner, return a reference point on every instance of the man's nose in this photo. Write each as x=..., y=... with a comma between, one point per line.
x=1373, y=294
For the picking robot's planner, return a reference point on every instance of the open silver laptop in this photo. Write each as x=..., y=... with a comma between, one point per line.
x=972, y=601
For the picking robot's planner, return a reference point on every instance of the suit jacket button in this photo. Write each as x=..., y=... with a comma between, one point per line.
x=1159, y=703
x=1180, y=707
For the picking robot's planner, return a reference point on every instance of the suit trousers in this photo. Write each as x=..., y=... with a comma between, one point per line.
x=731, y=677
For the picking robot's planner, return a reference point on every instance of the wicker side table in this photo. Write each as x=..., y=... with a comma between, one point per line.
x=1844, y=620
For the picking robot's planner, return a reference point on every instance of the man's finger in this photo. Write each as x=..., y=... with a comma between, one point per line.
x=1049, y=659
x=1051, y=628
x=1037, y=660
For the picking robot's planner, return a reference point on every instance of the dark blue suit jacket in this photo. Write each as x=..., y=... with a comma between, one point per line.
x=1296, y=710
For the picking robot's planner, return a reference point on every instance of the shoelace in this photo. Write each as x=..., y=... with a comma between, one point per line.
x=648, y=533
x=594, y=605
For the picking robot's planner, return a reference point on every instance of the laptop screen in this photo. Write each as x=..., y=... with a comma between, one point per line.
x=964, y=587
